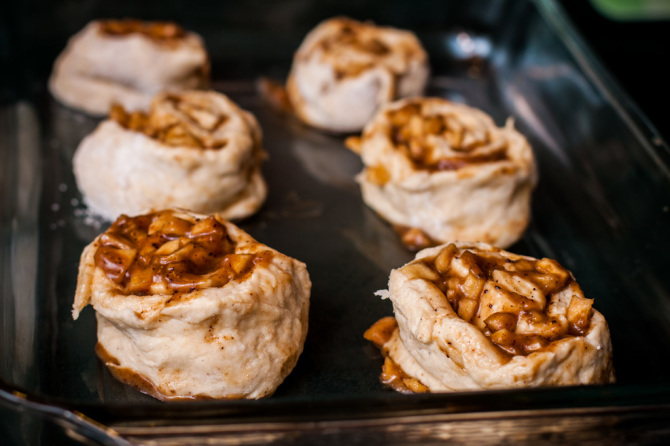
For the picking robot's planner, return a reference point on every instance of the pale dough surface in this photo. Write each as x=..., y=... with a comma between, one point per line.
x=96, y=70
x=326, y=100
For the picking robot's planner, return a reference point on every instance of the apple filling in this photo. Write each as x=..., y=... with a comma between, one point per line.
x=187, y=122
x=392, y=375
x=161, y=253
x=442, y=141
x=362, y=49
x=509, y=299
x=160, y=31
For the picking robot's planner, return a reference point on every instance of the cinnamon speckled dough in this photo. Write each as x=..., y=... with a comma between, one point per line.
x=239, y=340
x=99, y=68
x=444, y=352
x=345, y=70
x=201, y=152
x=447, y=169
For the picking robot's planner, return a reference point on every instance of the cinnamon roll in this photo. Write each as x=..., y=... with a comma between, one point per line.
x=440, y=171
x=189, y=306
x=345, y=70
x=195, y=150
x=471, y=316
x=127, y=62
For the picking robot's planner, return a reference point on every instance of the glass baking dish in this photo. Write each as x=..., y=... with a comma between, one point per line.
x=602, y=209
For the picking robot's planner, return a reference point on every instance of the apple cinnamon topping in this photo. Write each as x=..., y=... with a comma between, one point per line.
x=353, y=51
x=182, y=124
x=159, y=31
x=392, y=375
x=442, y=141
x=354, y=47
x=509, y=299
x=414, y=238
x=161, y=253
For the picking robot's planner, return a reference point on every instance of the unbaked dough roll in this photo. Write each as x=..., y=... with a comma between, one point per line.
x=345, y=70
x=472, y=316
x=189, y=306
x=127, y=62
x=442, y=171
x=195, y=150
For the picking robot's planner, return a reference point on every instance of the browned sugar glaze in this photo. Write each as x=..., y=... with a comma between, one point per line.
x=350, y=38
x=163, y=253
x=483, y=290
x=173, y=130
x=160, y=31
x=411, y=130
x=392, y=375
x=414, y=238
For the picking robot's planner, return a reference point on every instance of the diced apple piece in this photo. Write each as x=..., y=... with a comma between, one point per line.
x=433, y=125
x=416, y=149
x=381, y=331
x=116, y=240
x=519, y=265
x=115, y=262
x=181, y=281
x=500, y=321
x=472, y=286
x=137, y=121
x=579, y=314
x=552, y=276
x=530, y=323
x=534, y=343
x=549, y=266
x=548, y=283
x=377, y=175
x=207, y=226
x=140, y=280
x=401, y=116
x=158, y=222
x=454, y=135
x=118, y=113
x=176, y=227
x=182, y=254
x=178, y=135
x=240, y=263
x=469, y=260
x=170, y=247
x=524, y=288
x=467, y=308
x=444, y=258
x=507, y=341
x=419, y=269
x=204, y=118
x=414, y=385
x=414, y=238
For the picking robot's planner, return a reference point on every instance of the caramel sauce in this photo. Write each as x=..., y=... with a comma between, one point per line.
x=392, y=375
x=381, y=331
x=411, y=131
x=275, y=94
x=160, y=31
x=172, y=130
x=414, y=239
x=162, y=253
x=506, y=298
x=352, y=37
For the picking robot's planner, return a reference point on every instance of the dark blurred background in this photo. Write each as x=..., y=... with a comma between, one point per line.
x=634, y=45
x=628, y=36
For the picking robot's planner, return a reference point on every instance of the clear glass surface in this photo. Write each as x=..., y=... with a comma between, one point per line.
x=601, y=209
